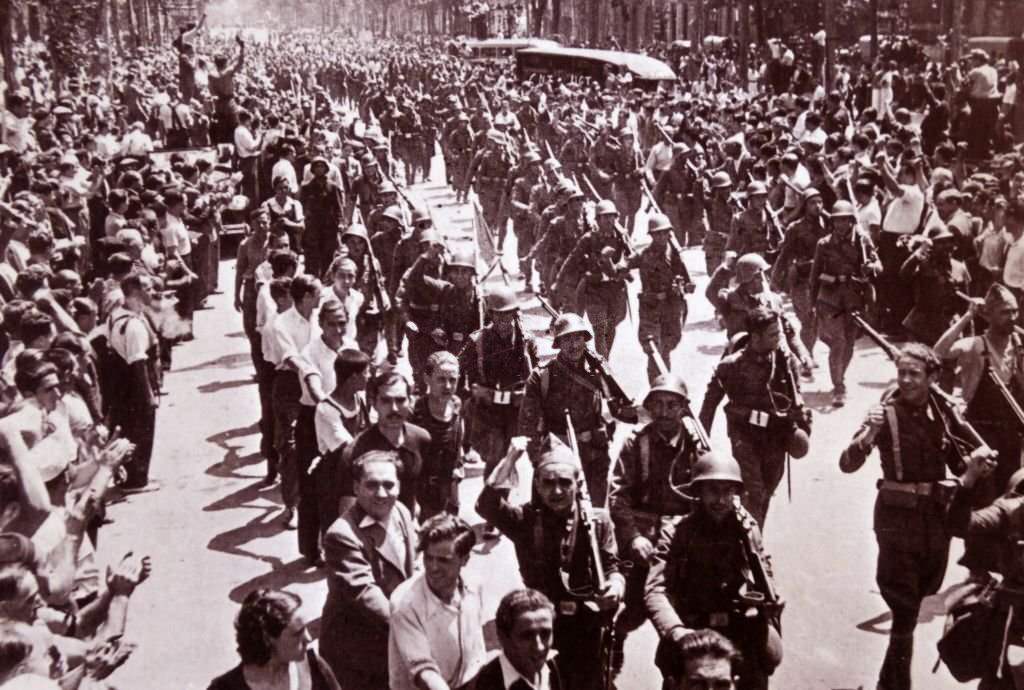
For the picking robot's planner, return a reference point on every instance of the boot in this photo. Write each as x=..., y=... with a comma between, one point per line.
x=895, y=673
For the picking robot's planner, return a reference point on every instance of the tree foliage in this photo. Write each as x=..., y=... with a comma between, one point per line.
x=72, y=35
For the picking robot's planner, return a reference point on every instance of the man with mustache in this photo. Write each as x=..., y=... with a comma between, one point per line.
x=389, y=394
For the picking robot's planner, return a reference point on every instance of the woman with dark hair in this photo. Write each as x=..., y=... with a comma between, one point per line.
x=273, y=644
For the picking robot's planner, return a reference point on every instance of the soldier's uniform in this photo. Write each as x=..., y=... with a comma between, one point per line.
x=555, y=561
x=591, y=271
x=935, y=283
x=838, y=283
x=913, y=541
x=490, y=170
x=641, y=496
x=574, y=155
x=524, y=223
x=416, y=302
x=793, y=269
x=458, y=150
x=494, y=373
x=603, y=161
x=753, y=233
x=556, y=387
x=663, y=308
x=699, y=575
x=720, y=216
x=563, y=235
x=764, y=409
x=376, y=305
x=679, y=195
x=627, y=181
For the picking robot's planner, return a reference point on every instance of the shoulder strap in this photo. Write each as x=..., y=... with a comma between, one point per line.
x=894, y=431
x=545, y=381
x=645, y=465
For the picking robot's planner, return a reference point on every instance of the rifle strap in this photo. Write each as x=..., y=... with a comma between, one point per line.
x=894, y=431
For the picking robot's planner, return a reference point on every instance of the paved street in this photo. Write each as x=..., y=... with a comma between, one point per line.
x=214, y=532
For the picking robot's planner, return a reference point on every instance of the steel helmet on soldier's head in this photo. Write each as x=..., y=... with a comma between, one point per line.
x=356, y=230
x=756, y=188
x=393, y=213
x=842, y=209
x=531, y=157
x=501, y=299
x=721, y=179
x=748, y=266
x=606, y=207
x=368, y=160
x=387, y=187
x=573, y=191
x=658, y=222
x=463, y=256
x=713, y=467
x=431, y=236
x=567, y=324
x=667, y=383
x=420, y=215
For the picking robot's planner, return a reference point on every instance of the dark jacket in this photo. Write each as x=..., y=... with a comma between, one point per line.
x=491, y=677
x=323, y=678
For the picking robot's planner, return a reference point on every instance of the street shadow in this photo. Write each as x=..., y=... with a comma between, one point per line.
x=932, y=607
x=236, y=334
x=230, y=361
x=706, y=326
x=265, y=524
x=292, y=573
x=875, y=385
x=217, y=386
x=232, y=460
x=713, y=350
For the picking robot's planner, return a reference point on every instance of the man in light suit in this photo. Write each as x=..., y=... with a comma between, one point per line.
x=525, y=623
x=369, y=551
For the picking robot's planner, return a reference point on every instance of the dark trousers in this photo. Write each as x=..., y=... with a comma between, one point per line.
x=250, y=178
x=139, y=427
x=265, y=378
x=895, y=299
x=578, y=640
x=308, y=508
x=286, y=394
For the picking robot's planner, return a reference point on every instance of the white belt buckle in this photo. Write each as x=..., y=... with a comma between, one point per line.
x=758, y=418
x=502, y=397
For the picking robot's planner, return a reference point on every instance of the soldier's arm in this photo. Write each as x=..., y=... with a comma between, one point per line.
x=712, y=398
x=620, y=494
x=816, y=267
x=863, y=441
x=609, y=551
x=718, y=286
x=660, y=608
x=962, y=520
x=734, y=243
x=571, y=268
x=531, y=415
x=679, y=266
x=493, y=507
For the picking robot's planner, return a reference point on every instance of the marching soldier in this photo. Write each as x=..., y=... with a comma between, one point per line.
x=793, y=265
x=574, y=381
x=709, y=570
x=765, y=415
x=935, y=276
x=457, y=145
x=417, y=309
x=664, y=282
x=653, y=460
x=369, y=282
x=524, y=215
x=916, y=447
x=844, y=265
x=408, y=248
x=323, y=204
x=555, y=559
x=460, y=311
x=678, y=192
x=594, y=269
x=719, y=221
x=629, y=176
x=563, y=235
x=754, y=230
x=604, y=154
x=495, y=365
x=490, y=170
x=574, y=153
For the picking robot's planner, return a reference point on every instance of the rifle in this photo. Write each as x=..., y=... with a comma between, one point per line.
x=759, y=590
x=620, y=232
x=588, y=526
x=615, y=389
x=379, y=294
x=936, y=396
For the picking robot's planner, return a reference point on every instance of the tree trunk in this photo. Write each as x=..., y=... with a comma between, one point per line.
x=7, y=44
x=115, y=26
x=744, y=41
x=556, y=15
x=155, y=16
x=133, y=27
x=539, y=8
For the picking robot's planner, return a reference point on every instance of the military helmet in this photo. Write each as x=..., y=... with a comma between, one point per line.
x=420, y=215
x=713, y=467
x=462, y=256
x=756, y=188
x=658, y=222
x=552, y=164
x=501, y=299
x=606, y=207
x=572, y=191
x=567, y=324
x=356, y=230
x=431, y=236
x=748, y=266
x=667, y=383
x=368, y=160
x=387, y=187
x=496, y=136
x=393, y=213
x=721, y=179
x=531, y=157
x=843, y=209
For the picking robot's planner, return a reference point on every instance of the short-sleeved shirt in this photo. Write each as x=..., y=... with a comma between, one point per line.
x=175, y=234
x=133, y=341
x=904, y=213
x=291, y=332
x=984, y=82
x=321, y=357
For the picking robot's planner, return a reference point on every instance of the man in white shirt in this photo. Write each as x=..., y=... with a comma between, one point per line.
x=175, y=121
x=436, y=635
x=525, y=624
x=136, y=143
x=290, y=333
x=18, y=125
x=285, y=169
x=983, y=93
x=247, y=149
x=903, y=215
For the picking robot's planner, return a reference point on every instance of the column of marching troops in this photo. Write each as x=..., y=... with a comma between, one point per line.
x=680, y=543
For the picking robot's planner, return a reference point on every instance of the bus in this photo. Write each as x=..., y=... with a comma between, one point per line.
x=645, y=72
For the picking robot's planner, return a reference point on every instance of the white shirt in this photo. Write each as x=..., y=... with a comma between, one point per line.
x=266, y=308
x=510, y=675
x=291, y=332
x=246, y=145
x=136, y=143
x=129, y=336
x=1013, y=270
x=429, y=634
x=660, y=158
x=284, y=168
x=19, y=134
x=321, y=358
x=175, y=234
x=331, y=432
x=352, y=302
x=904, y=213
x=267, y=342
x=869, y=214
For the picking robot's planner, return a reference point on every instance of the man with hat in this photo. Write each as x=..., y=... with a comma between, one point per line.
x=916, y=442
x=595, y=272
x=524, y=217
x=563, y=234
x=323, y=204
x=766, y=416
x=680, y=194
x=366, y=185
x=417, y=304
x=654, y=459
x=490, y=169
x=793, y=264
x=574, y=383
x=841, y=283
x=719, y=220
x=457, y=146
x=629, y=174
x=664, y=283
x=555, y=556
x=935, y=277
x=709, y=570
x=997, y=353
x=982, y=86
x=755, y=229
